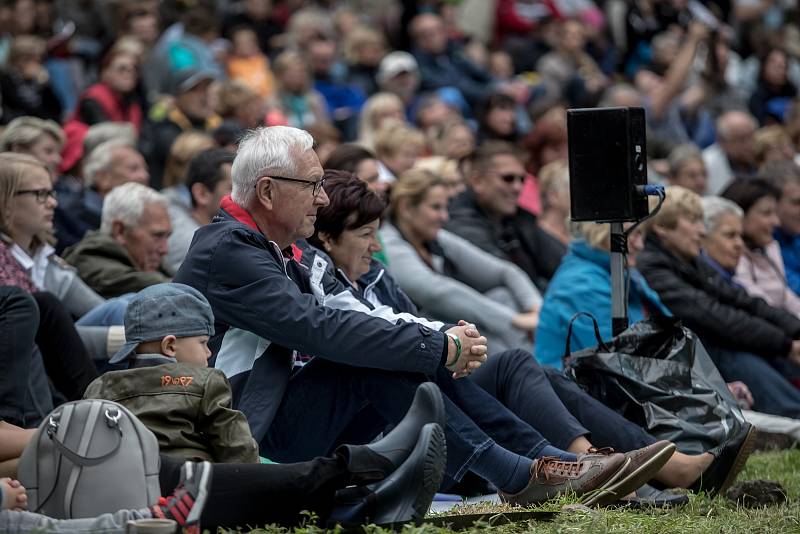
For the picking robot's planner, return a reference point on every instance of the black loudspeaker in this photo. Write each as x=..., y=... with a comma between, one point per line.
x=607, y=160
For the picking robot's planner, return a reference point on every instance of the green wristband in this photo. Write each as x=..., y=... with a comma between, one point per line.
x=458, y=349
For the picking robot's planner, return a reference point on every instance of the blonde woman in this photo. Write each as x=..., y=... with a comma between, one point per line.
x=40, y=138
x=186, y=146
x=27, y=205
x=773, y=143
x=447, y=276
x=447, y=169
x=398, y=147
x=554, y=195
x=378, y=108
x=28, y=261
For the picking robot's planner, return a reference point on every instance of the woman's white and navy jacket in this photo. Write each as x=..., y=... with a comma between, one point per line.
x=269, y=308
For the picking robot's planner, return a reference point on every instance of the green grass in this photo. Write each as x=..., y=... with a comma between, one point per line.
x=701, y=515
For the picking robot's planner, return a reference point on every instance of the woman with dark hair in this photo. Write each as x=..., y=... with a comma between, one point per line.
x=345, y=231
x=774, y=92
x=760, y=270
x=547, y=142
x=498, y=118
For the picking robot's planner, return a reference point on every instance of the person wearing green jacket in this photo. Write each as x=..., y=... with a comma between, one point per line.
x=126, y=254
x=167, y=383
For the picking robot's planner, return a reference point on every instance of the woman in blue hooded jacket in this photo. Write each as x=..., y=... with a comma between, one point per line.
x=583, y=284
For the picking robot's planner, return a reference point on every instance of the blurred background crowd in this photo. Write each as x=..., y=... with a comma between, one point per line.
x=454, y=114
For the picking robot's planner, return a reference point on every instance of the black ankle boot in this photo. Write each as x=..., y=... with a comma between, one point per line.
x=375, y=461
x=405, y=495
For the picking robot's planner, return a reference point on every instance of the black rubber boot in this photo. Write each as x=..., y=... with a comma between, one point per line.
x=375, y=461
x=405, y=495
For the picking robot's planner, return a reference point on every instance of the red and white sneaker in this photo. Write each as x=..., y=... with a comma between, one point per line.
x=186, y=503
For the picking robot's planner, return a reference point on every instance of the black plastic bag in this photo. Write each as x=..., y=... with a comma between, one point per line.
x=658, y=375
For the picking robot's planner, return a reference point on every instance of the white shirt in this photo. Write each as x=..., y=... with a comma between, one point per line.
x=718, y=169
x=384, y=174
x=36, y=267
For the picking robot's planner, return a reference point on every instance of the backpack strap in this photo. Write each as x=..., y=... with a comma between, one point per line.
x=85, y=461
x=83, y=446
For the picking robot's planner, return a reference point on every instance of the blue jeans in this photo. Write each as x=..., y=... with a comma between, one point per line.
x=555, y=405
x=326, y=400
x=772, y=392
x=111, y=313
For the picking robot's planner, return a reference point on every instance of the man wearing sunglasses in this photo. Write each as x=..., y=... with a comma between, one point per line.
x=487, y=214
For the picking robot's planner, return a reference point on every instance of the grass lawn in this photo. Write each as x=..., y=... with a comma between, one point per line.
x=701, y=515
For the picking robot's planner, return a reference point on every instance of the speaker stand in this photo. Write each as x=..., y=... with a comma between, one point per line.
x=619, y=297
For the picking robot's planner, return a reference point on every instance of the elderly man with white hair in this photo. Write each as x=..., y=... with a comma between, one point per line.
x=110, y=164
x=307, y=358
x=125, y=255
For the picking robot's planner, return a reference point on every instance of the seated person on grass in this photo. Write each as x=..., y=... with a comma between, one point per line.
x=402, y=472
x=187, y=405
x=167, y=382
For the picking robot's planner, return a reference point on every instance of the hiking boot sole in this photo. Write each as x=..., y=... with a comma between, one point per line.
x=612, y=491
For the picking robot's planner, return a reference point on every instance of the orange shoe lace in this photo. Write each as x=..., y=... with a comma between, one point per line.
x=547, y=464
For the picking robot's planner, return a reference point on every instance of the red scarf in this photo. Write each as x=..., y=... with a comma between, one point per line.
x=243, y=216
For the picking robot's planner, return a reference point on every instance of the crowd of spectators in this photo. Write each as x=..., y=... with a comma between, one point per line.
x=120, y=130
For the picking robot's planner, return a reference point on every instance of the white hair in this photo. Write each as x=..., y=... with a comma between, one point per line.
x=126, y=203
x=106, y=131
x=263, y=151
x=99, y=159
x=716, y=207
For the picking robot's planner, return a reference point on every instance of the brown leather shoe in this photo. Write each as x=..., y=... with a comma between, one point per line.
x=552, y=476
x=642, y=464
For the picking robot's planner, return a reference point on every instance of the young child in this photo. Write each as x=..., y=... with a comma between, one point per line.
x=167, y=383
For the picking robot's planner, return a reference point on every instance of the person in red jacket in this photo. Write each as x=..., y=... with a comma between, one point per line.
x=114, y=97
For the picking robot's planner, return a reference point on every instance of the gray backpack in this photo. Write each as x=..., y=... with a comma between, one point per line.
x=90, y=457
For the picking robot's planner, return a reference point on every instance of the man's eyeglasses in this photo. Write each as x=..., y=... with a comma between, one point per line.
x=315, y=186
x=510, y=178
x=41, y=194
